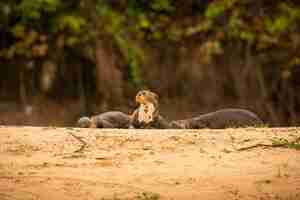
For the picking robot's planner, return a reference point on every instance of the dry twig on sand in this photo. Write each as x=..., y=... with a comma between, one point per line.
x=295, y=144
x=84, y=144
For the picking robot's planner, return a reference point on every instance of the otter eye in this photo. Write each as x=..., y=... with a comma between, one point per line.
x=141, y=93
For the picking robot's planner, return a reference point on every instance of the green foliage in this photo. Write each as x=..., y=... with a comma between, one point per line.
x=133, y=61
x=73, y=23
x=32, y=9
x=111, y=21
x=281, y=23
x=218, y=8
x=201, y=27
x=18, y=31
x=134, y=68
x=215, y=10
x=144, y=22
x=35, y=24
x=235, y=24
x=277, y=25
x=247, y=36
x=161, y=5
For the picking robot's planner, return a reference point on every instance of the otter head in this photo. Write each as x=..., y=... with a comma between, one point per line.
x=146, y=96
x=84, y=122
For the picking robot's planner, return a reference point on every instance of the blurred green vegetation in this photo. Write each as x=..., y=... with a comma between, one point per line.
x=265, y=33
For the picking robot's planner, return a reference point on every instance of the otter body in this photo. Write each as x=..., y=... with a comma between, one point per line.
x=158, y=122
x=111, y=119
x=219, y=119
x=147, y=116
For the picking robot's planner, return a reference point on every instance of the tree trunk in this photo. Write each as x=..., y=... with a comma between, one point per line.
x=81, y=91
x=108, y=76
x=22, y=89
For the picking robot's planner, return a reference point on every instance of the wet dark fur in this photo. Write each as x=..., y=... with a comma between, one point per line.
x=158, y=122
x=111, y=119
x=219, y=119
